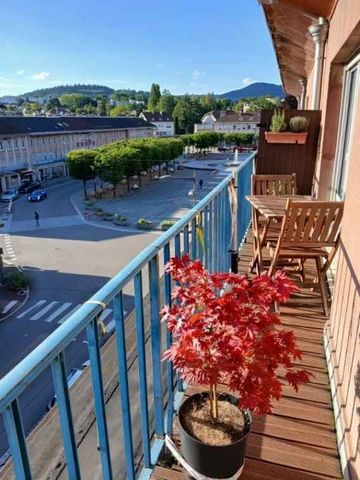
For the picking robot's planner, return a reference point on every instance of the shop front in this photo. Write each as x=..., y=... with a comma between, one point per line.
x=51, y=171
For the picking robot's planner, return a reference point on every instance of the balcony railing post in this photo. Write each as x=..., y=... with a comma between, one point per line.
x=64, y=409
x=177, y=254
x=140, y=336
x=98, y=390
x=156, y=344
x=16, y=440
x=124, y=384
x=169, y=365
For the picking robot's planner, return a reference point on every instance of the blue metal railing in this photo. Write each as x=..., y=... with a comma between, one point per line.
x=205, y=233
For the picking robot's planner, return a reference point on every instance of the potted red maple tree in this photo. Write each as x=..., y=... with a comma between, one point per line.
x=225, y=333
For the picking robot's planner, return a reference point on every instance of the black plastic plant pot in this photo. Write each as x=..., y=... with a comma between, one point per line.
x=210, y=460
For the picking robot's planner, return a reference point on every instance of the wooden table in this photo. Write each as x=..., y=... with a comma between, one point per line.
x=270, y=207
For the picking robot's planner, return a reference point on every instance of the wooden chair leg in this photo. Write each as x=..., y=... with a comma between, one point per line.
x=322, y=285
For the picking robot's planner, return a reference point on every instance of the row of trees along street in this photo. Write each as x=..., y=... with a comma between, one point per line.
x=204, y=140
x=122, y=160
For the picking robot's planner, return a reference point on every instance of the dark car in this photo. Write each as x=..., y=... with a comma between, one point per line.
x=37, y=195
x=28, y=187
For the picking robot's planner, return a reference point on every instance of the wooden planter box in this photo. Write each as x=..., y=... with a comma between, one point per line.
x=166, y=227
x=286, y=137
x=121, y=223
x=145, y=226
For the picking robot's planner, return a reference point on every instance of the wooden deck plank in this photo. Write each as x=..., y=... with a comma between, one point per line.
x=297, y=441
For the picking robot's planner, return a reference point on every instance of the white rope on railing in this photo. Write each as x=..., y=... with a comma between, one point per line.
x=194, y=474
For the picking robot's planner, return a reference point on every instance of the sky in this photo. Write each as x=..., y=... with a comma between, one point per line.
x=193, y=46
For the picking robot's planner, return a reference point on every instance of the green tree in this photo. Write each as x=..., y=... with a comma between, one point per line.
x=32, y=107
x=110, y=167
x=82, y=165
x=102, y=110
x=167, y=102
x=208, y=102
x=154, y=99
x=76, y=100
x=186, y=113
x=204, y=140
x=120, y=110
x=52, y=103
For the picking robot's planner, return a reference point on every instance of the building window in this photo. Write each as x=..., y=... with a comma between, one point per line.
x=346, y=125
x=234, y=127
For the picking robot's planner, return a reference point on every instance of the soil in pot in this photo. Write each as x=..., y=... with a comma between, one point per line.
x=197, y=421
x=214, y=448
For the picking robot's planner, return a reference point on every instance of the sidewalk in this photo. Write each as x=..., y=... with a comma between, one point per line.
x=164, y=199
x=53, y=222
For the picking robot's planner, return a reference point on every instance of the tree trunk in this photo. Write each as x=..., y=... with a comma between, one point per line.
x=114, y=191
x=128, y=183
x=85, y=192
x=159, y=169
x=167, y=168
x=140, y=184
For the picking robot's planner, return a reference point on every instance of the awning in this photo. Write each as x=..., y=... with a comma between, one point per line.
x=288, y=22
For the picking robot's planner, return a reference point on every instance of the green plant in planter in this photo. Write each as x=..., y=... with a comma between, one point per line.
x=108, y=216
x=17, y=281
x=119, y=219
x=145, y=224
x=278, y=122
x=166, y=224
x=230, y=338
x=299, y=124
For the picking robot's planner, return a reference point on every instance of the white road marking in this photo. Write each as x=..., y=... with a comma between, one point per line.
x=9, y=306
x=57, y=312
x=44, y=311
x=38, y=304
x=69, y=314
x=111, y=325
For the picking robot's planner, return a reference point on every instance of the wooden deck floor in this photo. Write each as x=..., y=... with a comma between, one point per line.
x=297, y=441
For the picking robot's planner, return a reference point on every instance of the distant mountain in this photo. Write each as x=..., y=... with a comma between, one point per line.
x=257, y=89
x=89, y=90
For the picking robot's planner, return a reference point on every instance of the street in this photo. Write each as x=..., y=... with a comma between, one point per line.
x=67, y=263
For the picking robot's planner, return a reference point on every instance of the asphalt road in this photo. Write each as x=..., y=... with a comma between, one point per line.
x=66, y=266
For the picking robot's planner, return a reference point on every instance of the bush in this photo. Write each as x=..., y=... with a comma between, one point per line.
x=17, y=281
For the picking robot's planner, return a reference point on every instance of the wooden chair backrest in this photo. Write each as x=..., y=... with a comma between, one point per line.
x=311, y=224
x=274, y=184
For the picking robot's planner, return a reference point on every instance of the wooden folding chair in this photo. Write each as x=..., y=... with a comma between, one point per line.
x=270, y=185
x=273, y=184
x=309, y=230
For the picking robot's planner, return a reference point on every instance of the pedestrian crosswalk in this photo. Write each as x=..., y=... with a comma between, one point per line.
x=55, y=311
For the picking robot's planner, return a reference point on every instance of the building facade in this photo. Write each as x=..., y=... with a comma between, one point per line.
x=228, y=121
x=36, y=147
x=164, y=123
x=318, y=49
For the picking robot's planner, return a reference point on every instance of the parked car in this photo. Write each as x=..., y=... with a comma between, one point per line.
x=9, y=195
x=223, y=149
x=28, y=187
x=37, y=195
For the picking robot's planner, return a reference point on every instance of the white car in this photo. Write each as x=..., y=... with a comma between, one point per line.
x=9, y=195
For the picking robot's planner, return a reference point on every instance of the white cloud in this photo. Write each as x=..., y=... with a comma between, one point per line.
x=40, y=76
x=21, y=71
x=196, y=74
x=248, y=81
